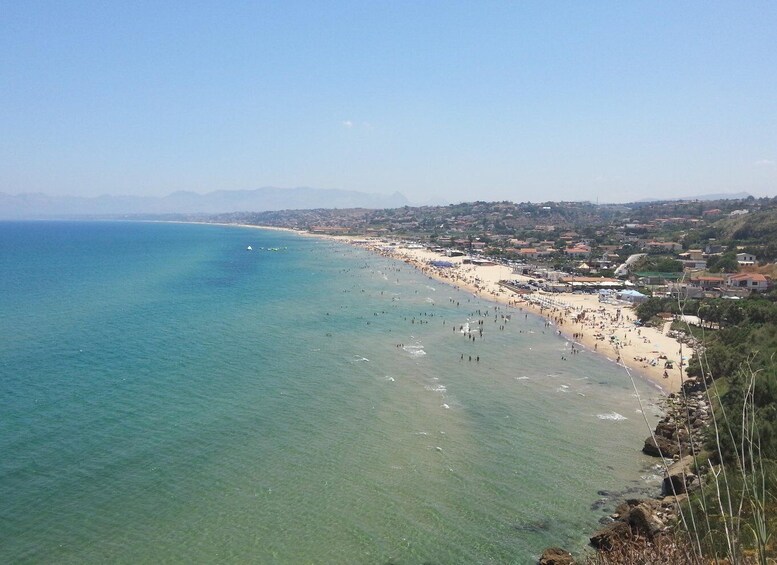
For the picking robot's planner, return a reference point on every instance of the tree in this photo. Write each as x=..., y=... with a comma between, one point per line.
x=726, y=263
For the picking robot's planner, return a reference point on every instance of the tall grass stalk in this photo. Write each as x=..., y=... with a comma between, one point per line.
x=749, y=473
x=730, y=510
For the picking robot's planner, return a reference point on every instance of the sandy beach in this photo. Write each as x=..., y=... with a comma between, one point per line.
x=606, y=328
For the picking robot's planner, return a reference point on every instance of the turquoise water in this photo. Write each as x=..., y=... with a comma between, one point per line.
x=168, y=396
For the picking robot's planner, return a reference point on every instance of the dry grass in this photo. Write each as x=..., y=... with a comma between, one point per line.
x=638, y=551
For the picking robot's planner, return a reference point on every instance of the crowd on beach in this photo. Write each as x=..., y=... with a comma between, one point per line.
x=606, y=328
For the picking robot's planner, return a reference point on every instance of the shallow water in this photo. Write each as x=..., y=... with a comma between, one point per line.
x=167, y=395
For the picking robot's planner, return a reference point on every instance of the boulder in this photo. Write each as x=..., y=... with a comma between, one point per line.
x=607, y=537
x=660, y=447
x=644, y=522
x=679, y=477
x=556, y=556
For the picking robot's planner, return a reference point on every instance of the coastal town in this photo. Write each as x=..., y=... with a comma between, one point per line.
x=587, y=266
x=654, y=287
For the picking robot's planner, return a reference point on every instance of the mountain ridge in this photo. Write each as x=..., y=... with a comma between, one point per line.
x=703, y=197
x=41, y=205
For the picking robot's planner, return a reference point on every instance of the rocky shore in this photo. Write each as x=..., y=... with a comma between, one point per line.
x=676, y=440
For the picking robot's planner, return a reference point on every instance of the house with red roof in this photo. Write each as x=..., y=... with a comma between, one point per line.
x=750, y=281
x=708, y=283
x=579, y=250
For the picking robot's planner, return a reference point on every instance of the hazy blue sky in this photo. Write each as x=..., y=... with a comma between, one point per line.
x=447, y=100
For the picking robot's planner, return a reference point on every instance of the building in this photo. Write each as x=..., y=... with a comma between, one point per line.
x=708, y=283
x=745, y=259
x=750, y=281
x=652, y=278
x=662, y=246
x=532, y=253
x=577, y=251
x=693, y=255
x=685, y=290
x=691, y=265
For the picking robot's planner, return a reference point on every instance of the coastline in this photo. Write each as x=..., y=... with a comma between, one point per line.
x=603, y=328
x=482, y=433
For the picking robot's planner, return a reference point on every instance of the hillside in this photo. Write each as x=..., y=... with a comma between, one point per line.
x=27, y=206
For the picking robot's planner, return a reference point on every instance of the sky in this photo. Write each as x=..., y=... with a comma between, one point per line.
x=440, y=101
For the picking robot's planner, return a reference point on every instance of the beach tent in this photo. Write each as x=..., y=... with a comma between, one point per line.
x=633, y=296
x=605, y=294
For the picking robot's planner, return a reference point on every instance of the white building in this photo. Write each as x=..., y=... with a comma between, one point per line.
x=746, y=259
x=749, y=281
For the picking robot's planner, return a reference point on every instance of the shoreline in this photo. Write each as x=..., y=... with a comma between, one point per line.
x=605, y=329
x=602, y=328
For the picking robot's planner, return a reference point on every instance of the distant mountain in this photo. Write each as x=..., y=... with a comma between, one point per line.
x=37, y=205
x=705, y=197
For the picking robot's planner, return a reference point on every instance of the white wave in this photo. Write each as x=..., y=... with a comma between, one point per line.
x=465, y=328
x=358, y=358
x=431, y=288
x=438, y=388
x=389, y=379
x=429, y=300
x=445, y=406
x=523, y=378
x=414, y=350
x=611, y=416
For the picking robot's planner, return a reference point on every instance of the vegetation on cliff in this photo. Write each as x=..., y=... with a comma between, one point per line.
x=733, y=511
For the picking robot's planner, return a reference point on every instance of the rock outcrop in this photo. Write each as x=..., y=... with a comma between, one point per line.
x=680, y=431
x=680, y=477
x=677, y=436
x=660, y=446
x=636, y=518
x=556, y=556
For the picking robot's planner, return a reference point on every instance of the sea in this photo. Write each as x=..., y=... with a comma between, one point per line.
x=168, y=395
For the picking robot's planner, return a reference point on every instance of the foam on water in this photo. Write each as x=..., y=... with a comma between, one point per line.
x=414, y=351
x=611, y=416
